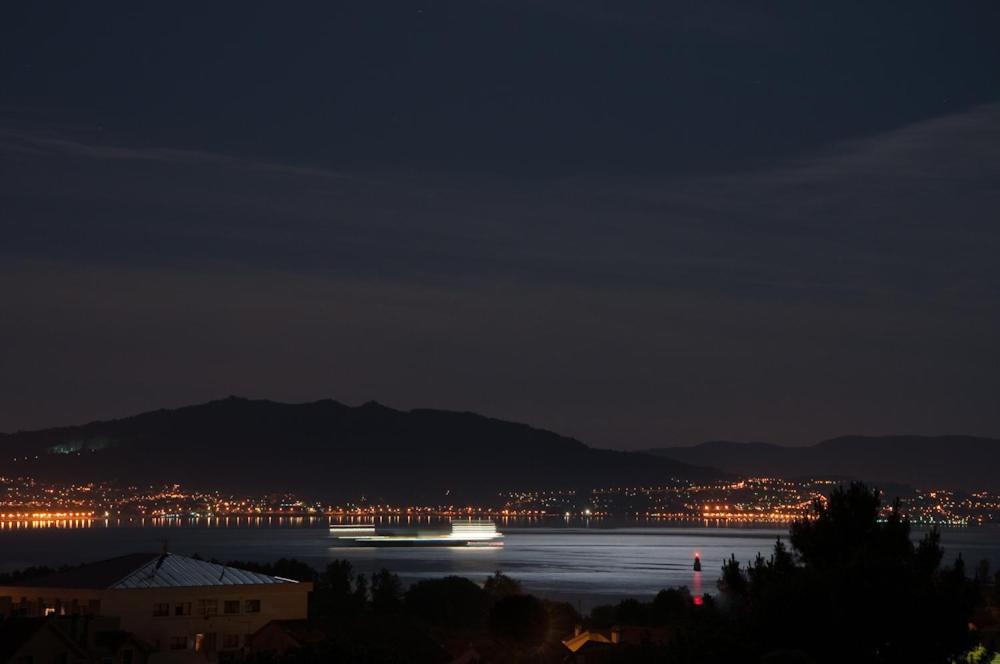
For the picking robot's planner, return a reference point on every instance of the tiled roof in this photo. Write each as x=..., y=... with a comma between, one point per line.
x=152, y=570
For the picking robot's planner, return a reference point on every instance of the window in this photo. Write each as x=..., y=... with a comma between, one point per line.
x=208, y=607
x=182, y=609
x=231, y=606
x=230, y=640
x=252, y=606
x=178, y=642
x=161, y=609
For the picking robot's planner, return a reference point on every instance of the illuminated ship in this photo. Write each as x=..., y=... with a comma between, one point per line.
x=347, y=529
x=472, y=532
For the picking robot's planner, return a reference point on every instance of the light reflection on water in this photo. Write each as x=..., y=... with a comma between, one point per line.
x=585, y=563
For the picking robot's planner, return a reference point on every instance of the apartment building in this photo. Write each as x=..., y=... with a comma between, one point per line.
x=183, y=608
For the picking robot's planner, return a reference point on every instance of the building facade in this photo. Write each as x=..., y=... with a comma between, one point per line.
x=191, y=608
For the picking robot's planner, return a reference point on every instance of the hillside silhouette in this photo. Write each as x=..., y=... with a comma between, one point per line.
x=328, y=450
x=954, y=462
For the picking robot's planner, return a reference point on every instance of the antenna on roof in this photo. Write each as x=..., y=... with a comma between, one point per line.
x=163, y=556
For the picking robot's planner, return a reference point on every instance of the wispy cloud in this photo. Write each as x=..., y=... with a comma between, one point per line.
x=15, y=141
x=908, y=213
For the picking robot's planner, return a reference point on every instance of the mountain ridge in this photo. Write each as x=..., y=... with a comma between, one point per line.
x=331, y=451
x=960, y=462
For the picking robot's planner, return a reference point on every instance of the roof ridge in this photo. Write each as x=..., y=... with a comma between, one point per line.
x=137, y=569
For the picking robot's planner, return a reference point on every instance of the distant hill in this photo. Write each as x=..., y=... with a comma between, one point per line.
x=331, y=451
x=957, y=462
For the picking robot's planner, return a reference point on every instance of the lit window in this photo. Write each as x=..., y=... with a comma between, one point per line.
x=252, y=606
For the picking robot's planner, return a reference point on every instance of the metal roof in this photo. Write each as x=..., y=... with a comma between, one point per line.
x=152, y=570
x=173, y=571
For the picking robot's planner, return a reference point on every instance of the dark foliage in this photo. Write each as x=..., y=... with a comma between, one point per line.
x=337, y=590
x=28, y=573
x=500, y=585
x=372, y=639
x=861, y=591
x=386, y=592
x=520, y=622
x=853, y=587
x=453, y=601
x=562, y=618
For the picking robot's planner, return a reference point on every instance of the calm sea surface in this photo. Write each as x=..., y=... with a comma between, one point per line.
x=585, y=564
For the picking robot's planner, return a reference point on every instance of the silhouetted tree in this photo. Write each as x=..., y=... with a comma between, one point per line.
x=733, y=583
x=28, y=573
x=864, y=591
x=452, y=601
x=333, y=592
x=361, y=590
x=632, y=612
x=500, y=585
x=671, y=605
x=520, y=621
x=562, y=617
x=386, y=592
x=856, y=589
x=983, y=572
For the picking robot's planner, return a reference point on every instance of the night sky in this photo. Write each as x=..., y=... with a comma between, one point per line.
x=637, y=223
